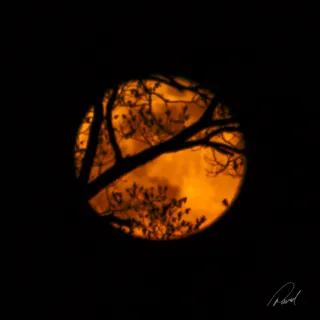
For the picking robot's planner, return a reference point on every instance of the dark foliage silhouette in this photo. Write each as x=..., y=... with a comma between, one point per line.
x=138, y=110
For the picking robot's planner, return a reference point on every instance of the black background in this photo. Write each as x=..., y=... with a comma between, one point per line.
x=263, y=63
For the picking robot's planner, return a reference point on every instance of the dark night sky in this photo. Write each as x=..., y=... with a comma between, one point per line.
x=65, y=267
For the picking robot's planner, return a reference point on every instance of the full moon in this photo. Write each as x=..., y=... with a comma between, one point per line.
x=207, y=180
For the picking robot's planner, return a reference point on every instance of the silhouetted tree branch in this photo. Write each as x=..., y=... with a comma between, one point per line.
x=151, y=212
x=174, y=144
x=169, y=80
x=162, y=135
x=92, y=145
x=112, y=138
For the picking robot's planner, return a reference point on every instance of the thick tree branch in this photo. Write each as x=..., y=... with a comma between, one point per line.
x=111, y=132
x=93, y=141
x=130, y=163
x=223, y=148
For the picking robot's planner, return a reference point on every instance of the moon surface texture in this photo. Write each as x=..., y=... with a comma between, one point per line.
x=207, y=181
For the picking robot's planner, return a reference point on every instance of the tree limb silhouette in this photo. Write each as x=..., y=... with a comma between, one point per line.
x=92, y=145
x=143, y=157
x=157, y=216
x=162, y=135
x=112, y=138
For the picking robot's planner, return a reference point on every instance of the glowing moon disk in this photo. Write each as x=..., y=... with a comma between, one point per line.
x=184, y=172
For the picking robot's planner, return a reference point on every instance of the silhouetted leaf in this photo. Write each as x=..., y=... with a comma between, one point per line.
x=184, y=200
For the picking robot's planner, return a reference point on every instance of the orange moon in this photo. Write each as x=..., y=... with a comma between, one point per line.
x=185, y=173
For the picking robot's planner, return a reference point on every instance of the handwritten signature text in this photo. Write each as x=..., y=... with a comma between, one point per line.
x=280, y=297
